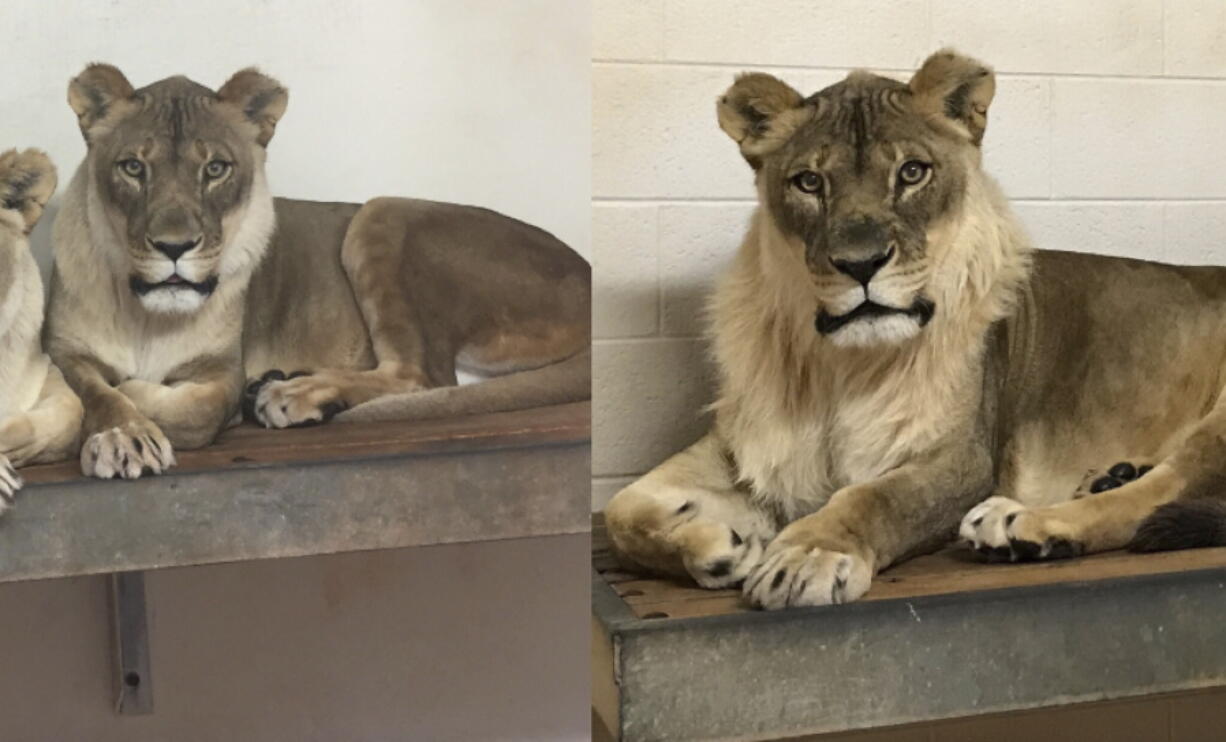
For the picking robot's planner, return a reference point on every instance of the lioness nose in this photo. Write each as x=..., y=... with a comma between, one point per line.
x=173, y=250
x=863, y=270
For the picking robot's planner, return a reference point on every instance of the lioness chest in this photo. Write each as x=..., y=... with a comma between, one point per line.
x=852, y=432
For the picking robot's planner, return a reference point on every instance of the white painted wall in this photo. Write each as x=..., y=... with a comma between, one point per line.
x=1106, y=130
x=475, y=101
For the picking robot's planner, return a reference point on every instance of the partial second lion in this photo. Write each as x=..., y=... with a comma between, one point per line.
x=40, y=417
x=179, y=280
x=898, y=367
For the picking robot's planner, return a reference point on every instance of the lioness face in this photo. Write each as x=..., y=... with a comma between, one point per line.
x=176, y=168
x=862, y=179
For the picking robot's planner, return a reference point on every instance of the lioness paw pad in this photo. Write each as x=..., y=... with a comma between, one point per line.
x=1118, y=475
x=796, y=575
x=1002, y=529
x=292, y=401
x=126, y=452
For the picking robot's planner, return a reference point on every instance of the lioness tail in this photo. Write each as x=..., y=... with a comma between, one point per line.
x=569, y=380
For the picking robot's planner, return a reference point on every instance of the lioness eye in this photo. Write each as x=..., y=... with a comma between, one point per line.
x=216, y=168
x=808, y=181
x=132, y=167
x=913, y=171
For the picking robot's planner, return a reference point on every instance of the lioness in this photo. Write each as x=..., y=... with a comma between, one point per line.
x=40, y=417
x=177, y=276
x=891, y=353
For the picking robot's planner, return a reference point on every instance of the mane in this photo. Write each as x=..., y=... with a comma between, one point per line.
x=777, y=375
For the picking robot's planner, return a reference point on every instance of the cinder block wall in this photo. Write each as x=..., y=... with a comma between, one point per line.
x=1107, y=131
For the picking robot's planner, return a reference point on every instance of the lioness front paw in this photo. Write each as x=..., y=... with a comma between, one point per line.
x=1005, y=530
x=717, y=555
x=792, y=575
x=127, y=452
x=299, y=399
x=10, y=482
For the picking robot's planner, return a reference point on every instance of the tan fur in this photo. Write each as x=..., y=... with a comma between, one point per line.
x=828, y=460
x=40, y=417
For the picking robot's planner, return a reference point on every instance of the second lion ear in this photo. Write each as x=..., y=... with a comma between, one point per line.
x=261, y=99
x=955, y=91
x=760, y=113
x=96, y=93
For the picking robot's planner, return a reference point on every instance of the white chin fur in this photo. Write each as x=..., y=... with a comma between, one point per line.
x=866, y=333
x=172, y=301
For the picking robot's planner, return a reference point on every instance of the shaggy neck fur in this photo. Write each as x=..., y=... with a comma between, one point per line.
x=803, y=417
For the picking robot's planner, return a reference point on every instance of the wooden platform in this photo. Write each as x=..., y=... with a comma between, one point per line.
x=341, y=487
x=939, y=637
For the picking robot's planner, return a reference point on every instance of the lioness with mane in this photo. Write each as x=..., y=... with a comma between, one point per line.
x=896, y=365
x=40, y=417
x=178, y=276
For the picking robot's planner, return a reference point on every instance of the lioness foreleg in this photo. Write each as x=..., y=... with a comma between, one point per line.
x=49, y=431
x=688, y=517
x=831, y=556
x=190, y=412
x=119, y=441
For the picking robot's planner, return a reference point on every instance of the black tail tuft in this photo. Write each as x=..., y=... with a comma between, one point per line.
x=1182, y=525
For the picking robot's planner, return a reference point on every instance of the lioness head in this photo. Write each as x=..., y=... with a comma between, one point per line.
x=177, y=175
x=863, y=178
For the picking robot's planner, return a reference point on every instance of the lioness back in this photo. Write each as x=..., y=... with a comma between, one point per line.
x=509, y=272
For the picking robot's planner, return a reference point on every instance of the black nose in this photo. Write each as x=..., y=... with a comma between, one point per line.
x=173, y=250
x=863, y=270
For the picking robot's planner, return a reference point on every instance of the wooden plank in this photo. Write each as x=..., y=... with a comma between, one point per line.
x=249, y=445
x=949, y=571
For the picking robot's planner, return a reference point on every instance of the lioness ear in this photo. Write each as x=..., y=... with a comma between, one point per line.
x=760, y=113
x=957, y=90
x=261, y=99
x=27, y=180
x=94, y=93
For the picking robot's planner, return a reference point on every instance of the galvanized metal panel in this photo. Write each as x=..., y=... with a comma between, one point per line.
x=769, y=675
x=261, y=511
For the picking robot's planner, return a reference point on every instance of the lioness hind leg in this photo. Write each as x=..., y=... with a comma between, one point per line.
x=372, y=260
x=687, y=518
x=1111, y=518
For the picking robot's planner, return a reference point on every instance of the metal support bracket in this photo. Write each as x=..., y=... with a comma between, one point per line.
x=129, y=621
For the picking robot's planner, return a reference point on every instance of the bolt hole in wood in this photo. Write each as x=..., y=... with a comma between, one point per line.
x=131, y=679
x=655, y=614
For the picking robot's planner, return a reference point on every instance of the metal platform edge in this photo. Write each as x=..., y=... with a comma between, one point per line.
x=756, y=676
x=276, y=510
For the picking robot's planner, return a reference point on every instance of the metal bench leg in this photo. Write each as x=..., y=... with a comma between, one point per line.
x=129, y=620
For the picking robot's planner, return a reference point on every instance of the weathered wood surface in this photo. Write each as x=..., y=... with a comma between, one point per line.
x=260, y=494
x=952, y=570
